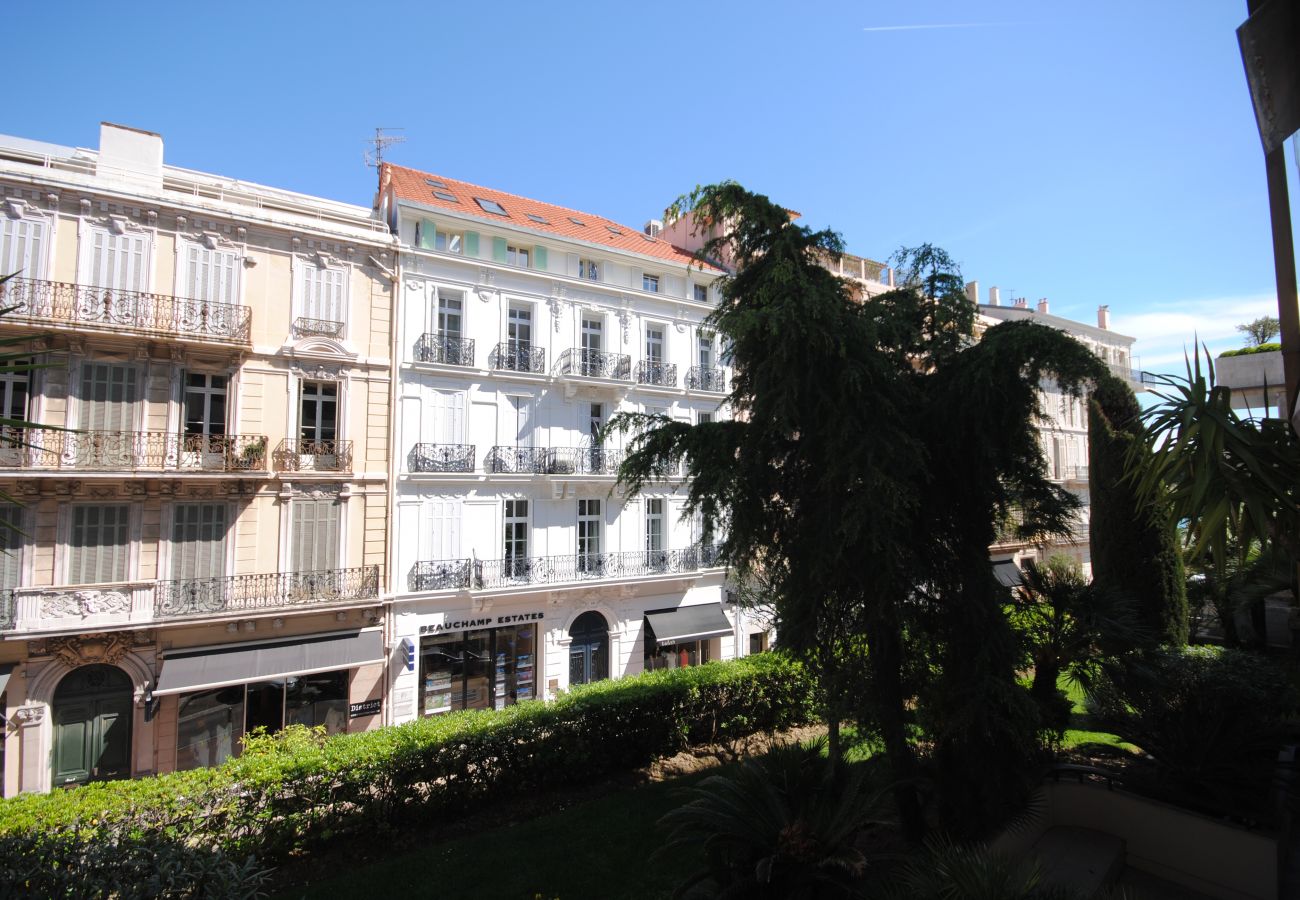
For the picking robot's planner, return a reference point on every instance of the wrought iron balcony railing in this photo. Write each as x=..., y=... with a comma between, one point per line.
x=513, y=357
x=441, y=348
x=441, y=458
x=58, y=303
x=292, y=455
x=496, y=573
x=8, y=609
x=553, y=461
x=305, y=327
x=440, y=575
x=705, y=378
x=656, y=373
x=595, y=364
x=243, y=593
x=41, y=449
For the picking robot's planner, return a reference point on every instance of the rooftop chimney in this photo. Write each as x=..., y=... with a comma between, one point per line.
x=131, y=156
x=1042, y=306
x=973, y=292
x=1020, y=303
x=1103, y=317
x=995, y=297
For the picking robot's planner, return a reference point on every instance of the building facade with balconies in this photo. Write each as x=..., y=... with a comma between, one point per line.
x=201, y=495
x=518, y=567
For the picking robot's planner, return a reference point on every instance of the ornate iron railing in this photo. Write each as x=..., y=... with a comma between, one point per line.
x=705, y=378
x=450, y=351
x=58, y=302
x=441, y=458
x=303, y=327
x=8, y=609
x=440, y=575
x=518, y=358
x=496, y=573
x=293, y=455
x=240, y=593
x=54, y=449
x=553, y=461
x=656, y=373
x=595, y=364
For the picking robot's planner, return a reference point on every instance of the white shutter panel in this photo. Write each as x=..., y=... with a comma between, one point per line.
x=571, y=264
x=436, y=418
x=225, y=275
x=458, y=418
x=108, y=396
x=304, y=536
x=336, y=294
x=11, y=543
x=327, y=534
x=20, y=247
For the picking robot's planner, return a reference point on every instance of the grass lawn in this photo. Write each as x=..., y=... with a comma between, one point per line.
x=599, y=848
x=1080, y=734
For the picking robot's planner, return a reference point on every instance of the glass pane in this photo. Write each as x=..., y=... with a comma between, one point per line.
x=265, y=706
x=209, y=727
x=320, y=699
x=439, y=682
x=475, y=669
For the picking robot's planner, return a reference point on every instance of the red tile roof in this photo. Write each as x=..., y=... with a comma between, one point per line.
x=412, y=185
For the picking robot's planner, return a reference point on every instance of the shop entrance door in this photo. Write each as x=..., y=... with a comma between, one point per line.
x=92, y=726
x=589, y=649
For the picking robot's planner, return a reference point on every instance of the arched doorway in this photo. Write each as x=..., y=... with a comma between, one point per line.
x=588, y=649
x=92, y=726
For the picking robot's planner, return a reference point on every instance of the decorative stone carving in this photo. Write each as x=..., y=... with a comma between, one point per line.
x=67, y=604
x=30, y=715
x=553, y=303
x=89, y=649
x=625, y=319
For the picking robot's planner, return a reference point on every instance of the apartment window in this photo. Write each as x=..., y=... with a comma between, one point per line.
x=522, y=410
x=315, y=527
x=118, y=261
x=758, y=642
x=705, y=350
x=448, y=242
x=589, y=269
x=519, y=329
x=517, y=256
x=650, y=283
x=205, y=404
x=701, y=293
x=108, y=396
x=11, y=545
x=590, y=340
x=704, y=418
x=589, y=529
x=654, y=525
x=451, y=312
x=323, y=293
x=22, y=247
x=198, y=540
x=320, y=406
x=595, y=422
x=516, y=538
x=15, y=389
x=99, y=544
x=654, y=343
x=211, y=274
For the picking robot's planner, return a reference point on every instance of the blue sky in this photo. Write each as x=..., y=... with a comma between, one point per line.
x=1087, y=153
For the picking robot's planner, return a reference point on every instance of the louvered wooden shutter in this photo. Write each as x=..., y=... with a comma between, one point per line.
x=499, y=249
x=98, y=548
x=428, y=235
x=471, y=244
x=539, y=258
x=11, y=544
x=315, y=535
x=199, y=540
x=118, y=261
x=21, y=242
x=108, y=396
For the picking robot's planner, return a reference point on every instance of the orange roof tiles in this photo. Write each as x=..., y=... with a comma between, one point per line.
x=412, y=185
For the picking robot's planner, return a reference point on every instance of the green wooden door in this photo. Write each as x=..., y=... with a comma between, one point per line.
x=92, y=726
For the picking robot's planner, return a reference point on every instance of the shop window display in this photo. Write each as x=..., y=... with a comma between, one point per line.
x=487, y=669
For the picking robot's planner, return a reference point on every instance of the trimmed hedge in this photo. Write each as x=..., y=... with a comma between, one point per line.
x=1246, y=351
x=299, y=788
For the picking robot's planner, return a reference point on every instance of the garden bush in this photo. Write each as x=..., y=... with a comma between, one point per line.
x=299, y=788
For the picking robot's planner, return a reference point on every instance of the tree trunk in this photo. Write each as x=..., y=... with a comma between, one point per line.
x=890, y=706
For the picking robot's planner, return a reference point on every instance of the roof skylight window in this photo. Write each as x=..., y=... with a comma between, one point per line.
x=648, y=238
x=538, y=219
x=443, y=195
x=434, y=183
x=578, y=222
x=613, y=230
x=491, y=206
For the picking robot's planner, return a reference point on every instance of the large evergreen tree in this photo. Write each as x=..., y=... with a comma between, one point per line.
x=1134, y=544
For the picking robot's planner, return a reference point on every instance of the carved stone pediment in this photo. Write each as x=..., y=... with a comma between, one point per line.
x=81, y=604
x=89, y=649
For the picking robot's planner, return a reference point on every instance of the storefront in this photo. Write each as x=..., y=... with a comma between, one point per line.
x=683, y=636
x=487, y=662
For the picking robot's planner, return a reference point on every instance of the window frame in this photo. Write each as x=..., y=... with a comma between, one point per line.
x=650, y=282
x=589, y=269
x=516, y=252
x=129, y=551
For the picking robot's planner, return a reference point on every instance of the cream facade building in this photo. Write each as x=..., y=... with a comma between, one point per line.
x=204, y=499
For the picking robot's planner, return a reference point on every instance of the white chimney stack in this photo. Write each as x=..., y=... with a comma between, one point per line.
x=1042, y=306
x=973, y=292
x=995, y=296
x=131, y=156
x=1103, y=317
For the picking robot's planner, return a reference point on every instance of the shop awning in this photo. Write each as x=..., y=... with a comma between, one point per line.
x=1007, y=573
x=216, y=667
x=688, y=623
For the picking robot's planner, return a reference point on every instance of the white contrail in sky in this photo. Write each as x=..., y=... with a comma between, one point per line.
x=928, y=27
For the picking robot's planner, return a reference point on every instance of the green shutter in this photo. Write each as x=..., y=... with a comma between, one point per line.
x=539, y=258
x=428, y=235
x=471, y=243
x=499, y=249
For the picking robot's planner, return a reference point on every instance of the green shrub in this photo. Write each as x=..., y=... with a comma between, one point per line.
x=1246, y=351
x=298, y=787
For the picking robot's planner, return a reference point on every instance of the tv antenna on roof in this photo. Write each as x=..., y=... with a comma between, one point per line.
x=382, y=140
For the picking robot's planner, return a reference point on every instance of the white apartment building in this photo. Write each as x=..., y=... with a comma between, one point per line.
x=518, y=569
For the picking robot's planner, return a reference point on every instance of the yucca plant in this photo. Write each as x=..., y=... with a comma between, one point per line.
x=945, y=870
x=780, y=826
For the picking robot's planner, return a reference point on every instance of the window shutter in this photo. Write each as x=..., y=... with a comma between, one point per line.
x=471, y=243
x=11, y=543
x=499, y=249
x=428, y=235
x=453, y=425
x=99, y=544
x=571, y=264
x=539, y=258
x=327, y=537
x=108, y=396
x=199, y=540
x=20, y=247
x=636, y=280
x=304, y=536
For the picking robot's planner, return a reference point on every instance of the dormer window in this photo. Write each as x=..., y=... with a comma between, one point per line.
x=449, y=242
x=650, y=283
x=589, y=269
x=518, y=256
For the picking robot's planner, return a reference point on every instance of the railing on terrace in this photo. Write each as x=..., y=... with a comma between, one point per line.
x=518, y=358
x=486, y=574
x=441, y=458
x=704, y=378
x=595, y=364
x=293, y=455
x=54, y=449
x=241, y=593
x=656, y=373
x=553, y=461
x=58, y=302
x=449, y=351
x=304, y=327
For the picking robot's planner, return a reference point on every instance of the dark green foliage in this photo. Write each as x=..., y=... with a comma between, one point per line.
x=951, y=871
x=1213, y=720
x=1262, y=330
x=1270, y=347
x=1134, y=544
x=299, y=788
x=780, y=826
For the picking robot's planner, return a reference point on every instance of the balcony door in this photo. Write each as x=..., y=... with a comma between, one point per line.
x=591, y=341
x=198, y=541
x=515, y=555
x=204, y=443
x=109, y=394
x=15, y=391
x=117, y=262
x=318, y=425
x=315, y=525
x=92, y=726
x=588, y=649
x=590, y=560
x=519, y=338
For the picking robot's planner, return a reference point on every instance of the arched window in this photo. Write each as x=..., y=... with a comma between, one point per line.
x=92, y=726
x=588, y=649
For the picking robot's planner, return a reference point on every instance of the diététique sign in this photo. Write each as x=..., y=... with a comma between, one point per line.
x=482, y=622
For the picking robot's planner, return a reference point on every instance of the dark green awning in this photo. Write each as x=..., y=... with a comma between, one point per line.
x=688, y=623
